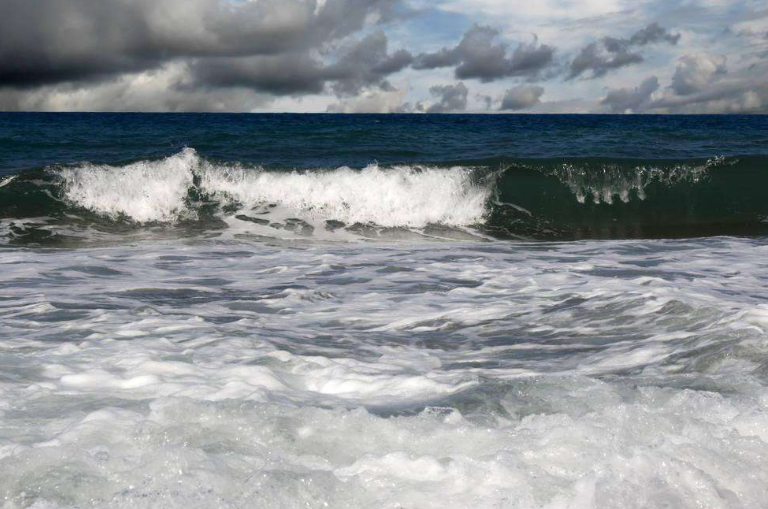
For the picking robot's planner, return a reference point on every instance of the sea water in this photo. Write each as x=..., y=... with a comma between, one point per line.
x=373, y=311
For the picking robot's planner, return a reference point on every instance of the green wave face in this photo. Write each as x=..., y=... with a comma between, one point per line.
x=630, y=199
x=538, y=199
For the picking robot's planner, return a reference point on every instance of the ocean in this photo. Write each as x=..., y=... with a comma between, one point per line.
x=370, y=311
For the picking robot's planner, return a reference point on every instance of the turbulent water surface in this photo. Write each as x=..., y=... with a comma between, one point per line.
x=383, y=311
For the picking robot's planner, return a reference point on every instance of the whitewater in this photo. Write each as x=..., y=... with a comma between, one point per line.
x=443, y=375
x=157, y=191
x=179, y=330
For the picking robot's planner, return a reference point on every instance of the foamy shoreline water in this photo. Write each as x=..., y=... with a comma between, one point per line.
x=245, y=374
x=286, y=311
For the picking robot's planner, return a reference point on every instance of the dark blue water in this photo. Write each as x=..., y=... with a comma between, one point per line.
x=30, y=140
x=543, y=176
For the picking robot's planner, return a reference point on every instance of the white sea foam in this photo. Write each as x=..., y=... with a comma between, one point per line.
x=7, y=180
x=398, y=196
x=155, y=191
x=144, y=191
x=593, y=374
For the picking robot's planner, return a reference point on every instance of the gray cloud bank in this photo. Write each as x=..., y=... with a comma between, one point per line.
x=363, y=63
x=234, y=55
x=268, y=47
x=218, y=54
x=701, y=84
x=50, y=42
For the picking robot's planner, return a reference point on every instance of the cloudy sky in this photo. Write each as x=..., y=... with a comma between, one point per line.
x=433, y=56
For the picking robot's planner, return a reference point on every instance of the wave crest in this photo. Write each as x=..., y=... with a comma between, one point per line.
x=399, y=196
x=146, y=191
x=157, y=191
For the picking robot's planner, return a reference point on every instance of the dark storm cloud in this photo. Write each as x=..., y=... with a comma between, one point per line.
x=362, y=63
x=479, y=55
x=451, y=98
x=611, y=53
x=521, y=97
x=634, y=100
x=161, y=90
x=75, y=40
x=285, y=74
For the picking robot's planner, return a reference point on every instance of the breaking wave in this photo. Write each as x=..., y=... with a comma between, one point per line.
x=410, y=196
x=146, y=191
x=537, y=199
x=159, y=191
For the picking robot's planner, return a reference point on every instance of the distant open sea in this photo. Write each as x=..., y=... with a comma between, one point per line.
x=383, y=311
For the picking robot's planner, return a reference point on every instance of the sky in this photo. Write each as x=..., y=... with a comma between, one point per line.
x=385, y=56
